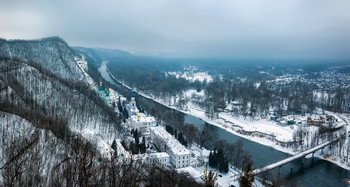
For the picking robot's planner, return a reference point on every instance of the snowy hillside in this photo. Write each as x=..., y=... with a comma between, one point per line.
x=52, y=54
x=48, y=84
x=37, y=151
x=45, y=102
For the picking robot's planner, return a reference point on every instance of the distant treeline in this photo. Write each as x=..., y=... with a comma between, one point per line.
x=251, y=84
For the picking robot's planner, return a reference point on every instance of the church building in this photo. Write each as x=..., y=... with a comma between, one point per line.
x=131, y=107
x=104, y=94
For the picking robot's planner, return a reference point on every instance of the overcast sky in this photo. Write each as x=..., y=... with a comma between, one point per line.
x=188, y=28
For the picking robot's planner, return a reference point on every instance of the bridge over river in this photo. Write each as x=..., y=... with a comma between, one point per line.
x=297, y=156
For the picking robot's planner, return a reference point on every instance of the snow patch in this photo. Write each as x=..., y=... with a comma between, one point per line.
x=193, y=76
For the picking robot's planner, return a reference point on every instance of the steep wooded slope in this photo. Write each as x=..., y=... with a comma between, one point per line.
x=40, y=82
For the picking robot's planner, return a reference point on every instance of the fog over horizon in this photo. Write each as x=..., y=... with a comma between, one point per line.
x=198, y=28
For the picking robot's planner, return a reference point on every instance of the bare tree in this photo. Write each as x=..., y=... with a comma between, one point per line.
x=190, y=132
x=22, y=162
x=210, y=178
x=206, y=138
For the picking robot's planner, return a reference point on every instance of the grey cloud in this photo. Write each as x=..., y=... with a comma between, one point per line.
x=197, y=28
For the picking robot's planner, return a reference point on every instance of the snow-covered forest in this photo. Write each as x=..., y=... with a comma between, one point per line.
x=288, y=87
x=31, y=88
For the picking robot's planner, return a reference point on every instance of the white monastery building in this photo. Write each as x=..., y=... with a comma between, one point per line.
x=162, y=158
x=82, y=62
x=137, y=120
x=142, y=122
x=131, y=107
x=179, y=155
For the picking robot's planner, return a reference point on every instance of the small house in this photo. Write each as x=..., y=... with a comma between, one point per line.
x=274, y=118
x=290, y=121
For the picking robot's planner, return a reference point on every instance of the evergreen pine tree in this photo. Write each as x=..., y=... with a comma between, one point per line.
x=215, y=160
x=114, y=146
x=211, y=159
x=224, y=166
x=143, y=147
x=247, y=178
x=120, y=108
x=137, y=138
x=125, y=114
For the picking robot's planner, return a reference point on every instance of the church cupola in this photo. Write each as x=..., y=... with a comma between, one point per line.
x=101, y=91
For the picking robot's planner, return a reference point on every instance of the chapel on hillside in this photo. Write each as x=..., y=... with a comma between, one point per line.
x=103, y=93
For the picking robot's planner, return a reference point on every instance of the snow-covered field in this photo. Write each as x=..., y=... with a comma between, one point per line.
x=282, y=133
x=192, y=92
x=193, y=76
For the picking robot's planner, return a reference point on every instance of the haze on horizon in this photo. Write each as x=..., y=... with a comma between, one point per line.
x=197, y=28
